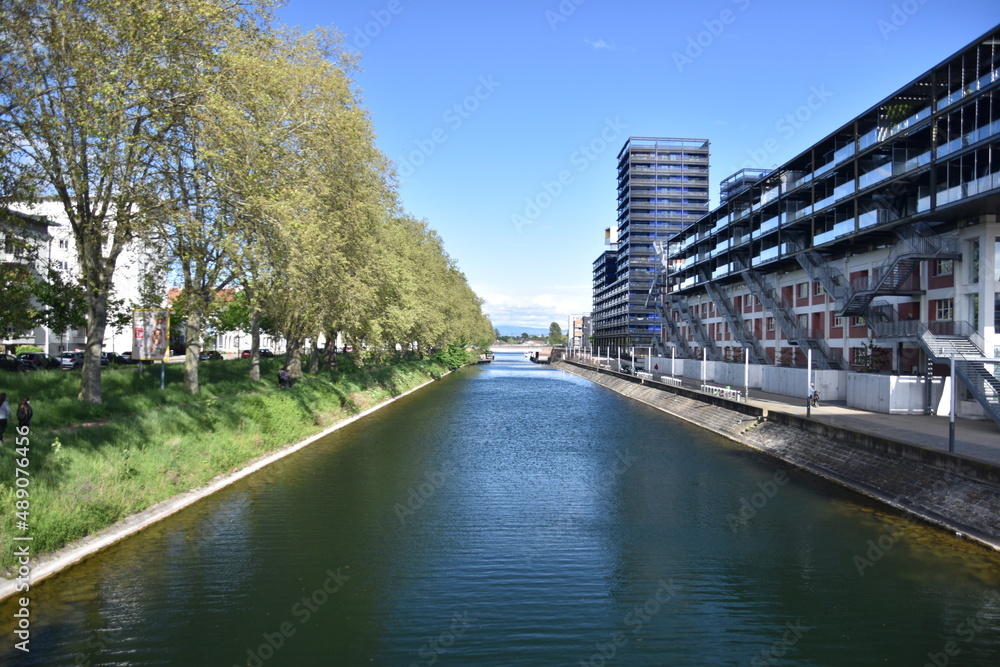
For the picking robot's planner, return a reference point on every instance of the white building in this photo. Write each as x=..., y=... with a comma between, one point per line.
x=57, y=248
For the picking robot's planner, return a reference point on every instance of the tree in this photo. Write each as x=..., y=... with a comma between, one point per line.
x=90, y=91
x=555, y=334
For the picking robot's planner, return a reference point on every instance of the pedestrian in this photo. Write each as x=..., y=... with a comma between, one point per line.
x=284, y=379
x=4, y=414
x=24, y=412
x=813, y=396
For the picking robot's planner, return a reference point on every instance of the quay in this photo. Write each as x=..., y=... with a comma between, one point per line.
x=900, y=460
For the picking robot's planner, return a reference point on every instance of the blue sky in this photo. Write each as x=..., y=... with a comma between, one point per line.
x=505, y=118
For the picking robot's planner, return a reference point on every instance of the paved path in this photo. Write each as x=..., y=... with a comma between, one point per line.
x=974, y=438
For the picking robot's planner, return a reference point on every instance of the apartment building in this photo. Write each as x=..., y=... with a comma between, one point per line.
x=662, y=188
x=56, y=248
x=875, y=249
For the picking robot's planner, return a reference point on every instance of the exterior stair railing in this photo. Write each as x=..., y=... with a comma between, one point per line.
x=918, y=243
x=736, y=323
x=784, y=315
x=941, y=341
x=679, y=304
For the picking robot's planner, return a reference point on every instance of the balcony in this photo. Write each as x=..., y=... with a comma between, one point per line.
x=969, y=189
x=875, y=175
x=839, y=193
x=968, y=139
x=876, y=217
x=792, y=216
x=842, y=228
x=767, y=226
x=969, y=89
x=722, y=271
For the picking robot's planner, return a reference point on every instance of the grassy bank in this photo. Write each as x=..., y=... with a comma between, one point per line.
x=149, y=445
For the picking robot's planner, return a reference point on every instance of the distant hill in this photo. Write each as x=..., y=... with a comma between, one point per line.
x=512, y=330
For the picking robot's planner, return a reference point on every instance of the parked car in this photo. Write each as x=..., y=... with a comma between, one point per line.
x=266, y=352
x=113, y=359
x=39, y=360
x=71, y=360
x=127, y=358
x=245, y=354
x=210, y=355
x=8, y=362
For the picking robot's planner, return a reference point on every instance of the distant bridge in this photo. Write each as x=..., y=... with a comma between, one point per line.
x=520, y=348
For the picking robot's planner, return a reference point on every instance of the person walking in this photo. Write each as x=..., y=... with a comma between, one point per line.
x=4, y=414
x=24, y=412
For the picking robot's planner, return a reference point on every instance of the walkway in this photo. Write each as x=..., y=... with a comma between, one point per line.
x=975, y=439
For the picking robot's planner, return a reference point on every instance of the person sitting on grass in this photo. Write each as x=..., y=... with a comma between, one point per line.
x=24, y=412
x=284, y=378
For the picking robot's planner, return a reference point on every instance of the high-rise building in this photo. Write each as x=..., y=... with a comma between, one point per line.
x=662, y=188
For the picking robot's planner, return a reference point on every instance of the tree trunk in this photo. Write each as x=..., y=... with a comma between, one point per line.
x=330, y=360
x=293, y=358
x=255, y=345
x=97, y=322
x=192, y=348
x=314, y=357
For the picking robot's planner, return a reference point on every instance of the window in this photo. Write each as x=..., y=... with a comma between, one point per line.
x=802, y=290
x=64, y=243
x=770, y=324
x=818, y=289
x=857, y=321
x=944, y=267
x=859, y=356
x=838, y=322
x=803, y=321
x=944, y=309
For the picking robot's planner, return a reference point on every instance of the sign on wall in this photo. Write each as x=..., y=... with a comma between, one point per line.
x=150, y=333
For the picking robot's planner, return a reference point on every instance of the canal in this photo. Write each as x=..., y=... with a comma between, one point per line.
x=513, y=514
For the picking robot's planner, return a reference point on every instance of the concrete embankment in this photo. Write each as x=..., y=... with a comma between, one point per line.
x=958, y=494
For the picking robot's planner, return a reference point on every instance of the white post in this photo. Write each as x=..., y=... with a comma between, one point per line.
x=619, y=359
x=809, y=370
x=673, y=361
x=746, y=373
x=704, y=365
x=954, y=407
x=649, y=360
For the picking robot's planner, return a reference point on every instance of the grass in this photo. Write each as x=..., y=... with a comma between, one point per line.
x=151, y=444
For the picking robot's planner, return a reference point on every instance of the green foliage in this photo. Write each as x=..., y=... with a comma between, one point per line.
x=555, y=336
x=63, y=301
x=456, y=355
x=156, y=444
x=242, y=150
x=24, y=349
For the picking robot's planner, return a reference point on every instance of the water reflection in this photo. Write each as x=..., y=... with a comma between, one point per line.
x=514, y=514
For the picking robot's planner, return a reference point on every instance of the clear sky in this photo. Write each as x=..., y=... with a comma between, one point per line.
x=505, y=118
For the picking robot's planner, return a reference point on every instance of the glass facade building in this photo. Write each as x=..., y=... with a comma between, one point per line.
x=662, y=188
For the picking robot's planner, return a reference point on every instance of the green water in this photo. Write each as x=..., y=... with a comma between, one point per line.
x=513, y=514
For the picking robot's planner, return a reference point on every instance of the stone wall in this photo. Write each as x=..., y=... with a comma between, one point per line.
x=954, y=493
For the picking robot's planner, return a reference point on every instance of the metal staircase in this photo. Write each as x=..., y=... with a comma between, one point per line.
x=940, y=342
x=654, y=298
x=918, y=242
x=680, y=305
x=674, y=331
x=818, y=270
x=784, y=315
x=736, y=323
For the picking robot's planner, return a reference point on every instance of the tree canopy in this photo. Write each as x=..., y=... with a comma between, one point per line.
x=239, y=150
